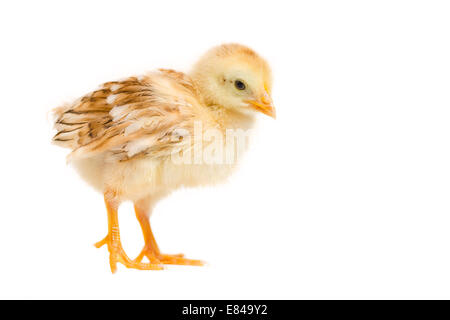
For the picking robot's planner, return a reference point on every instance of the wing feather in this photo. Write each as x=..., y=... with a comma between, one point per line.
x=128, y=118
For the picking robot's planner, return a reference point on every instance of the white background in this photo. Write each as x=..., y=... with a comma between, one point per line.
x=345, y=195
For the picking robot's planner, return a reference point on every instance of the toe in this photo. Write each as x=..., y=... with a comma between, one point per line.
x=176, y=260
x=101, y=243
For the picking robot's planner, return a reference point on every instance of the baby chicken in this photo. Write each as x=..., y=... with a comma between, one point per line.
x=128, y=136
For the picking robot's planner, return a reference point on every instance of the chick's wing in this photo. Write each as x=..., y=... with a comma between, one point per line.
x=129, y=118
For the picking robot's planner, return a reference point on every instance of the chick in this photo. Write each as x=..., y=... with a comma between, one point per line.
x=127, y=135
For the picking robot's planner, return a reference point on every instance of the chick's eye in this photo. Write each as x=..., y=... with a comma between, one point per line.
x=239, y=85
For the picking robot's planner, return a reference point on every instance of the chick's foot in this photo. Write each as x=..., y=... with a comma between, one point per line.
x=158, y=258
x=117, y=254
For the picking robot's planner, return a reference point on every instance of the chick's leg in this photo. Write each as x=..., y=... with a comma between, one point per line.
x=112, y=240
x=151, y=249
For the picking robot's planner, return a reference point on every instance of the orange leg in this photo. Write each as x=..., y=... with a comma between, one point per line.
x=112, y=240
x=151, y=250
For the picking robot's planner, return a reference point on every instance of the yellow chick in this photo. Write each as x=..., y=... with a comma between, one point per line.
x=140, y=138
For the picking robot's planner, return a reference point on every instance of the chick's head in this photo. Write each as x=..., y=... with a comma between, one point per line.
x=235, y=77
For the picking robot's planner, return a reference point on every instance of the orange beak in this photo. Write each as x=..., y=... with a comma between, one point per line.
x=264, y=105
